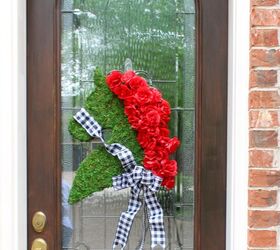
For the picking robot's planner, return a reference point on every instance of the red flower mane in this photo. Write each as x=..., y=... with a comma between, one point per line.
x=148, y=113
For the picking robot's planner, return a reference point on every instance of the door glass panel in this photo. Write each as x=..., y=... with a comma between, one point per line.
x=159, y=37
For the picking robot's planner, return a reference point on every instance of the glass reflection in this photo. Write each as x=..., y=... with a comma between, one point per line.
x=159, y=37
x=67, y=225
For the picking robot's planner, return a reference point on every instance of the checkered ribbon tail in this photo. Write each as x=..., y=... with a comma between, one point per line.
x=135, y=177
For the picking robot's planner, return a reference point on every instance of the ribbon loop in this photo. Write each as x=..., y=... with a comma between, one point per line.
x=138, y=175
x=137, y=178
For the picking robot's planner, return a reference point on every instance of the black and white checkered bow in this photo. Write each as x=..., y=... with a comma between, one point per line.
x=135, y=177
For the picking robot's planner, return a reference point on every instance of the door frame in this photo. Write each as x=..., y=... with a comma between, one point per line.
x=43, y=121
x=238, y=124
x=14, y=181
x=43, y=135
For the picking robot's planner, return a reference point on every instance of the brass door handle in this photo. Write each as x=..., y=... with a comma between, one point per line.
x=39, y=221
x=39, y=244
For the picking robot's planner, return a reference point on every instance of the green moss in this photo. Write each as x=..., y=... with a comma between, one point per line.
x=97, y=169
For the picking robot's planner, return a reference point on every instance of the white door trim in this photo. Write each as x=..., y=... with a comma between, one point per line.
x=238, y=132
x=13, y=195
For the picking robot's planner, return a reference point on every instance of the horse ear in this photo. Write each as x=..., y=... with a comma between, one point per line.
x=98, y=78
x=76, y=131
x=94, y=104
x=102, y=104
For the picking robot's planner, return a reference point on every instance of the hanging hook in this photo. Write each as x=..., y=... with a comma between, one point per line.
x=127, y=64
x=143, y=73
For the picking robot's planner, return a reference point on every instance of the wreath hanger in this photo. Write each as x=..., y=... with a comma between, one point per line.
x=128, y=66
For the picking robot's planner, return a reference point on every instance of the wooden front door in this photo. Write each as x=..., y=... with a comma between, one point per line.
x=181, y=46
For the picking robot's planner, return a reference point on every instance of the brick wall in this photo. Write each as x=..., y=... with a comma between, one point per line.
x=264, y=103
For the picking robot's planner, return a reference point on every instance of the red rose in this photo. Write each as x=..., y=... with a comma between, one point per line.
x=131, y=110
x=127, y=76
x=114, y=79
x=152, y=118
x=130, y=100
x=164, y=132
x=123, y=91
x=135, y=122
x=173, y=144
x=164, y=107
x=137, y=82
x=163, y=140
x=150, y=155
x=169, y=168
x=150, y=131
x=153, y=157
x=157, y=172
x=158, y=153
x=168, y=182
x=168, y=143
x=151, y=164
x=133, y=116
x=165, y=111
x=156, y=95
x=146, y=140
x=143, y=95
x=162, y=152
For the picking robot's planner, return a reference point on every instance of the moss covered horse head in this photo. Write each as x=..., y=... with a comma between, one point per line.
x=95, y=172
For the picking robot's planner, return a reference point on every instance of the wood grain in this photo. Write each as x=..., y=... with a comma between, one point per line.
x=43, y=117
x=211, y=124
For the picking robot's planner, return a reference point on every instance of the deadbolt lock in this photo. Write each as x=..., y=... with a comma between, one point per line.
x=39, y=221
x=39, y=244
